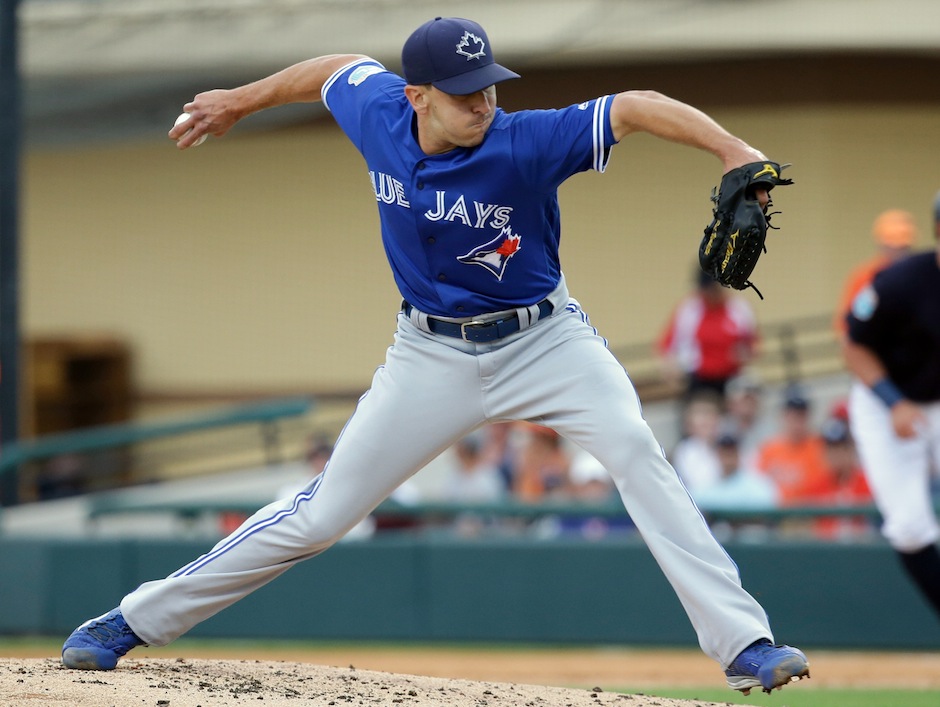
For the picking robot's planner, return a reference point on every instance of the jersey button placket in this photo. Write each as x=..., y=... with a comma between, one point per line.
x=426, y=229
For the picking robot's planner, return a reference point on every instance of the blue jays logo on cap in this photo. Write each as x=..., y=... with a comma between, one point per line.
x=471, y=46
x=453, y=55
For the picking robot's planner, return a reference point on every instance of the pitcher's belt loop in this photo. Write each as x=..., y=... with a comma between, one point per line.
x=481, y=332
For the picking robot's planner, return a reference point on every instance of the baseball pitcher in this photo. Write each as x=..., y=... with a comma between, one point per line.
x=487, y=331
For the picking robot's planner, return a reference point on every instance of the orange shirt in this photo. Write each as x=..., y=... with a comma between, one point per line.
x=858, y=279
x=542, y=466
x=798, y=468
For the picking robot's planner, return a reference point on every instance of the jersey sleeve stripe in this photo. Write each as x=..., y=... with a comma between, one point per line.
x=339, y=72
x=601, y=148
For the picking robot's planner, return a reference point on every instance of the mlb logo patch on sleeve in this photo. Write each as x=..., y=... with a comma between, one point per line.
x=361, y=73
x=865, y=304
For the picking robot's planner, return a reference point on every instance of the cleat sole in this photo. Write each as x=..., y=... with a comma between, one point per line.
x=89, y=659
x=785, y=672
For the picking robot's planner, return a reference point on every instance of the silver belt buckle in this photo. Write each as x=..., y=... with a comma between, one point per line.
x=463, y=329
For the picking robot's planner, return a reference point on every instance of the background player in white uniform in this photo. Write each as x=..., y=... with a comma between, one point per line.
x=893, y=348
x=467, y=199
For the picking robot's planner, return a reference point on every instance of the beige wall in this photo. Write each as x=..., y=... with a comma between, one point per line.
x=254, y=262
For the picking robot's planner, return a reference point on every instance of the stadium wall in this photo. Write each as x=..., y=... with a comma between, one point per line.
x=508, y=591
x=254, y=262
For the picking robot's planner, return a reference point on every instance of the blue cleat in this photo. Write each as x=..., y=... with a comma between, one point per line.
x=764, y=665
x=98, y=643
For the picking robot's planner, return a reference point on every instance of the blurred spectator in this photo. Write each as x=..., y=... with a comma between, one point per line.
x=847, y=480
x=894, y=232
x=499, y=449
x=694, y=457
x=473, y=478
x=839, y=410
x=745, y=416
x=847, y=483
x=318, y=452
x=543, y=465
x=589, y=484
x=738, y=487
x=316, y=456
x=795, y=458
x=709, y=337
x=589, y=480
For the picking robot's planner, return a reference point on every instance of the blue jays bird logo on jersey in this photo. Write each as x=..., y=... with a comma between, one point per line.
x=495, y=255
x=471, y=46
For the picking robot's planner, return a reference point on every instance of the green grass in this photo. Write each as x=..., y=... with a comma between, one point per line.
x=794, y=696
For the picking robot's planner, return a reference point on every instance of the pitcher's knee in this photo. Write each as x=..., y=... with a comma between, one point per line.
x=327, y=529
x=911, y=536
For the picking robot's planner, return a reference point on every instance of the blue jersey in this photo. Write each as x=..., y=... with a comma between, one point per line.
x=475, y=229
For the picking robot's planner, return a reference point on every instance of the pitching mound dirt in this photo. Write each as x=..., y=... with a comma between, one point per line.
x=185, y=682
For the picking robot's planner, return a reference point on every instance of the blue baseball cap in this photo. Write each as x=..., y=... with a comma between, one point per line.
x=453, y=55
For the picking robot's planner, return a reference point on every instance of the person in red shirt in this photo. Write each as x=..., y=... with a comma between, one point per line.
x=894, y=232
x=710, y=336
x=847, y=483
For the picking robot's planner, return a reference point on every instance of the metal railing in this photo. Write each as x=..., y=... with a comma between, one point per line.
x=116, y=455
x=512, y=516
x=789, y=352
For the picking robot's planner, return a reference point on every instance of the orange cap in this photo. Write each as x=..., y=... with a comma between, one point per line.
x=895, y=229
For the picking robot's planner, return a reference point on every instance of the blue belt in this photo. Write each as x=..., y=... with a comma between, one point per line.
x=480, y=332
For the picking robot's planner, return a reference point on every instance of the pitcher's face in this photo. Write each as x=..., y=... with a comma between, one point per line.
x=446, y=121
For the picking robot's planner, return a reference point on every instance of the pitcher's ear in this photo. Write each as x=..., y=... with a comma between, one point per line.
x=417, y=96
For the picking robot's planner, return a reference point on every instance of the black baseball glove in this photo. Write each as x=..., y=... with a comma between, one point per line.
x=734, y=240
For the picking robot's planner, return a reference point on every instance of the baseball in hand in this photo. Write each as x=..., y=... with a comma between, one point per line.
x=184, y=117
